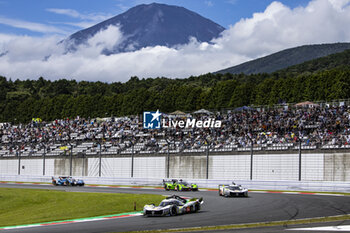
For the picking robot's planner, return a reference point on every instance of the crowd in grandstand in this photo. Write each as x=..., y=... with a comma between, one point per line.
x=314, y=126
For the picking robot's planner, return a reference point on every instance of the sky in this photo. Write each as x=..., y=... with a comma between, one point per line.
x=30, y=32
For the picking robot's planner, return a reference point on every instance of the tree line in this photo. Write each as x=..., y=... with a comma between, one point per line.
x=22, y=100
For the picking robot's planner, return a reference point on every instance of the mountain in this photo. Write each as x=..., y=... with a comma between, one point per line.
x=151, y=25
x=286, y=58
x=329, y=62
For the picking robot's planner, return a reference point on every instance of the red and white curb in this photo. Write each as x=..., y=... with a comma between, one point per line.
x=107, y=217
x=161, y=188
x=302, y=193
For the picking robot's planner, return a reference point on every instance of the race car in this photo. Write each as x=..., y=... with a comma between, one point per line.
x=173, y=205
x=179, y=185
x=67, y=181
x=232, y=190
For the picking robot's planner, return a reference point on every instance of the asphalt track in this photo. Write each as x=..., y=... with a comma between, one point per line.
x=259, y=207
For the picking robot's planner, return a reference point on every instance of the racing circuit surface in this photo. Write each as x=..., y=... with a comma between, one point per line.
x=259, y=207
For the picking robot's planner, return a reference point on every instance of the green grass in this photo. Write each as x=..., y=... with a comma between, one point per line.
x=24, y=206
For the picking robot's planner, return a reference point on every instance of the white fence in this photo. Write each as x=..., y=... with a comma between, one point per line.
x=265, y=167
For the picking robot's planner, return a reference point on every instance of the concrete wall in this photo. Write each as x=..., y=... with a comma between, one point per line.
x=62, y=166
x=337, y=167
x=192, y=167
x=230, y=167
x=9, y=167
x=266, y=167
x=276, y=167
x=150, y=167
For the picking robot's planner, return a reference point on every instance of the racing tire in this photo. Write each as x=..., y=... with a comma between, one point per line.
x=198, y=207
x=67, y=183
x=192, y=209
x=166, y=187
x=173, y=211
x=177, y=188
x=220, y=193
x=245, y=194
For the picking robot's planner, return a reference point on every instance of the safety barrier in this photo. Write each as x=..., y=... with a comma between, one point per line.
x=202, y=183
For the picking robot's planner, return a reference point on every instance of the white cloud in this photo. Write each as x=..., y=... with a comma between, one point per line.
x=75, y=14
x=81, y=24
x=277, y=28
x=233, y=2
x=88, y=20
x=36, y=27
x=209, y=3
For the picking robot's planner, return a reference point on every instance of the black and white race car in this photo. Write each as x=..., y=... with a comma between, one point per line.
x=232, y=190
x=173, y=205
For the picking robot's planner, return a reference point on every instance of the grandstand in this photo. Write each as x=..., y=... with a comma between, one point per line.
x=281, y=128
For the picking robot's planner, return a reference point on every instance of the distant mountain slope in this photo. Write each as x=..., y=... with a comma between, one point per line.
x=286, y=58
x=151, y=25
x=332, y=61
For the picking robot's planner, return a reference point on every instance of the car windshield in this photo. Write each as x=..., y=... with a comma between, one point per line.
x=183, y=183
x=235, y=188
x=165, y=203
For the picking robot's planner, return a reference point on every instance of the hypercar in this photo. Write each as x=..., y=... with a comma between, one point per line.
x=232, y=190
x=67, y=181
x=179, y=185
x=173, y=205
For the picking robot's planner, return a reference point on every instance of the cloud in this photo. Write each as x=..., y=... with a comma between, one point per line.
x=209, y=3
x=81, y=24
x=75, y=14
x=277, y=27
x=233, y=2
x=88, y=20
x=36, y=27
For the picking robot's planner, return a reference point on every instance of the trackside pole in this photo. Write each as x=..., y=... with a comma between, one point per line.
x=71, y=160
x=207, y=176
x=168, y=158
x=299, y=159
x=19, y=161
x=44, y=155
x=168, y=165
x=132, y=160
x=100, y=161
x=251, y=160
x=83, y=170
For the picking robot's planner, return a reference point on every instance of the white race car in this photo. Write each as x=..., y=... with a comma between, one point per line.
x=232, y=190
x=173, y=205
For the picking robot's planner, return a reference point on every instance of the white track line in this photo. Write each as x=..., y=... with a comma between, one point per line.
x=328, y=228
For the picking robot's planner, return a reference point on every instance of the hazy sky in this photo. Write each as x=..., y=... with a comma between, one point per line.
x=31, y=29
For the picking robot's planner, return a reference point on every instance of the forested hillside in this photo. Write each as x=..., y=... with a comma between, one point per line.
x=22, y=100
x=286, y=58
x=324, y=63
